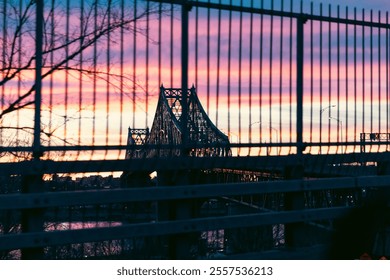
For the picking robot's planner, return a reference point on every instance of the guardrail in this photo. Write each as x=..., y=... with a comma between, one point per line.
x=127, y=230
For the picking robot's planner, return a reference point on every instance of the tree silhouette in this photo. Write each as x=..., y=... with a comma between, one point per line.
x=72, y=39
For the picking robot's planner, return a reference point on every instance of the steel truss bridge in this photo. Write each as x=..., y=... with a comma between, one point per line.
x=288, y=158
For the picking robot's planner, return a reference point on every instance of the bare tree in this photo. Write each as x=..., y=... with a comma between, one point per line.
x=72, y=42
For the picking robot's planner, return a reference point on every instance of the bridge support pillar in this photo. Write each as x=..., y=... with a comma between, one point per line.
x=294, y=232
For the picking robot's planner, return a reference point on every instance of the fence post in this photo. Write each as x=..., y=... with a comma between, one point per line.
x=294, y=232
x=32, y=219
x=184, y=73
x=295, y=200
x=181, y=243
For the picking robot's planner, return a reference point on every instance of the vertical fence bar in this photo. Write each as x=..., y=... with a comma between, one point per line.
x=270, y=78
x=355, y=79
x=80, y=99
x=196, y=45
x=261, y=43
x=94, y=87
x=346, y=80
x=290, y=76
x=208, y=62
x=371, y=76
x=240, y=78
x=229, y=56
x=184, y=71
x=364, y=75
x=321, y=78
x=51, y=91
x=66, y=80
x=171, y=46
x=160, y=12
x=108, y=62
x=250, y=76
x=387, y=79
x=338, y=81
x=134, y=65
x=329, y=73
x=379, y=80
x=121, y=71
x=311, y=76
x=147, y=41
x=280, y=80
x=300, y=46
x=218, y=67
x=38, y=80
x=19, y=66
x=3, y=58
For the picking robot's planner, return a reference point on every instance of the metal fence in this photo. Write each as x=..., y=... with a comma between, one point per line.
x=251, y=62
x=298, y=91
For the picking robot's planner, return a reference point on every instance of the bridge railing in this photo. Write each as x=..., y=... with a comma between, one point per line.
x=69, y=217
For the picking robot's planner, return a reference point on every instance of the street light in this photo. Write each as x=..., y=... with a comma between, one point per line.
x=277, y=134
x=270, y=136
x=326, y=108
x=339, y=123
x=270, y=127
x=321, y=111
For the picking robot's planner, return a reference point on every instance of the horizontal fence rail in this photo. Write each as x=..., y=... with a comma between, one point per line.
x=165, y=228
x=347, y=165
x=27, y=201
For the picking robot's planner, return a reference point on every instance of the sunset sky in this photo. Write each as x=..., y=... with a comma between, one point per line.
x=249, y=98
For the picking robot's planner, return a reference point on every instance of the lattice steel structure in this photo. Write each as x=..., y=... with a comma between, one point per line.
x=372, y=138
x=138, y=137
x=204, y=138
